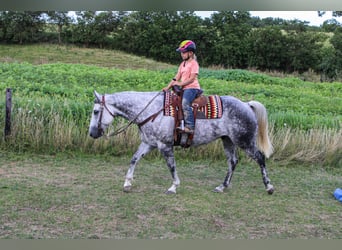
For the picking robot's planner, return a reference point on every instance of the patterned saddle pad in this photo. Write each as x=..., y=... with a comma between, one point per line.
x=212, y=110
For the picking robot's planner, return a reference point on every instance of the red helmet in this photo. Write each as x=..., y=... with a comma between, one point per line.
x=186, y=45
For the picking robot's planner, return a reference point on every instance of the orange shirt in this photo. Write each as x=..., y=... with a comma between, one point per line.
x=184, y=72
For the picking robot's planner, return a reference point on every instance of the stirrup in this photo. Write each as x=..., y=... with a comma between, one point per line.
x=186, y=130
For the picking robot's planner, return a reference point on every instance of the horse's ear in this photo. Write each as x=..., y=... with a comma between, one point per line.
x=97, y=96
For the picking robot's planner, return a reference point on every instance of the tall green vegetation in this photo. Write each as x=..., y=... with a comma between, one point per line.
x=52, y=105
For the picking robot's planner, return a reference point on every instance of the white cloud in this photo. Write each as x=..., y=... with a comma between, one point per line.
x=309, y=16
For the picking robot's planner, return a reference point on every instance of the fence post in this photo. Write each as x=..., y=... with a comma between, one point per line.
x=8, y=112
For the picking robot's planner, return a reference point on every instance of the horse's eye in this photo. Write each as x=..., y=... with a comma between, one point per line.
x=96, y=112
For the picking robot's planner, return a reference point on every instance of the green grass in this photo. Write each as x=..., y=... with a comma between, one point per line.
x=64, y=197
x=288, y=101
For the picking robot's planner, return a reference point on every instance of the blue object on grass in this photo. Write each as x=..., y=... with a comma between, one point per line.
x=338, y=194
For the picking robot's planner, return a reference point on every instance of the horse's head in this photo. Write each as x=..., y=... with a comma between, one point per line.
x=102, y=116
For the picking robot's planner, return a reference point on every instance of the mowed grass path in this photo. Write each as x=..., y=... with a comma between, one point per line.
x=65, y=197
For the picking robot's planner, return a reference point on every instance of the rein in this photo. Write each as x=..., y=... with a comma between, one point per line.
x=122, y=129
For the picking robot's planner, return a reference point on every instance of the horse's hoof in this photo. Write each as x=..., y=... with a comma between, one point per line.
x=219, y=189
x=216, y=190
x=170, y=192
x=127, y=189
x=270, y=189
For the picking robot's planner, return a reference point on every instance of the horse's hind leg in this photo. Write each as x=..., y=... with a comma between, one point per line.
x=142, y=150
x=260, y=159
x=232, y=161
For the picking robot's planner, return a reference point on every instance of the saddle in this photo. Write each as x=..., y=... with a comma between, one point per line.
x=204, y=107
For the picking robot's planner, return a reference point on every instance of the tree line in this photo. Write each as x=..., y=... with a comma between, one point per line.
x=228, y=39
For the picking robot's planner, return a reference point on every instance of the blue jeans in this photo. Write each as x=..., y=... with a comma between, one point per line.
x=188, y=96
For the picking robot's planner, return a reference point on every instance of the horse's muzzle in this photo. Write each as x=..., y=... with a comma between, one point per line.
x=95, y=132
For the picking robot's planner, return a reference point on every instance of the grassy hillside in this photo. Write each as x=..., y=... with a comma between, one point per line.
x=45, y=53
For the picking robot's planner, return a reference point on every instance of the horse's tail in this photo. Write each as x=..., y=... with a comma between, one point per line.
x=263, y=140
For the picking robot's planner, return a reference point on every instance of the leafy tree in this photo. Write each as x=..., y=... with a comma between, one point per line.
x=94, y=28
x=135, y=33
x=334, y=13
x=83, y=31
x=295, y=25
x=336, y=41
x=337, y=13
x=330, y=25
x=270, y=21
x=159, y=39
x=21, y=26
x=157, y=34
x=104, y=24
x=230, y=30
x=59, y=18
x=328, y=67
x=303, y=51
x=267, y=49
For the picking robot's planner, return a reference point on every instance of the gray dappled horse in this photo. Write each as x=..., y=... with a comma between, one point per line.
x=243, y=124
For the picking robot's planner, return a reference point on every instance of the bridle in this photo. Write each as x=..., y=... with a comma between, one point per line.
x=102, y=107
x=122, y=129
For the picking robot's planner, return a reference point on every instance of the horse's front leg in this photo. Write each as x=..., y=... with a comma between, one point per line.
x=167, y=152
x=142, y=150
